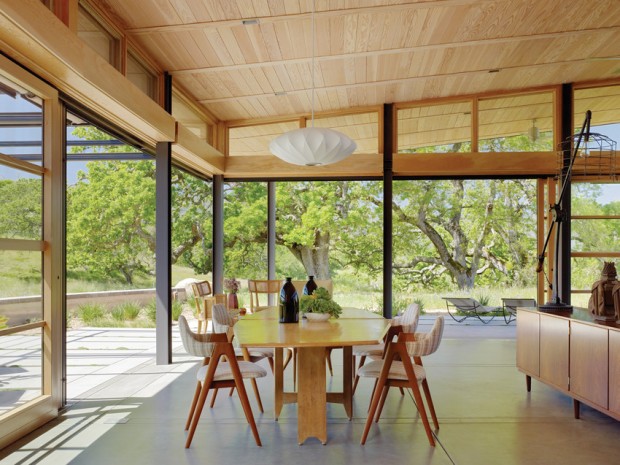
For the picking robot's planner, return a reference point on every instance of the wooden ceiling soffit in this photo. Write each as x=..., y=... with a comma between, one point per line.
x=269, y=166
x=36, y=38
x=197, y=154
x=475, y=164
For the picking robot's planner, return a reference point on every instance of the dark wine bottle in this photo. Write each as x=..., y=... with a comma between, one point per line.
x=289, y=303
x=310, y=286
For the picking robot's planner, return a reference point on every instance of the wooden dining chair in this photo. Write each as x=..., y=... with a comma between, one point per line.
x=216, y=373
x=402, y=367
x=264, y=288
x=203, y=300
x=407, y=322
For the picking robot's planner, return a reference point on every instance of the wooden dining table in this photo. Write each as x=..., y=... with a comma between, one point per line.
x=311, y=339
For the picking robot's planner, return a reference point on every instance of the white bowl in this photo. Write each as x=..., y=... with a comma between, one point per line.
x=317, y=316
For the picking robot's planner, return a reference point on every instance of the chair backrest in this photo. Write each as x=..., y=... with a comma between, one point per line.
x=428, y=343
x=201, y=290
x=198, y=345
x=326, y=283
x=409, y=319
x=222, y=320
x=264, y=287
x=512, y=304
x=463, y=303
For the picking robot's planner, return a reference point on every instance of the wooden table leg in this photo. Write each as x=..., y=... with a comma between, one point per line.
x=347, y=379
x=311, y=396
x=278, y=381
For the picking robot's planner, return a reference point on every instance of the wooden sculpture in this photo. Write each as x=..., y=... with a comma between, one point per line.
x=601, y=303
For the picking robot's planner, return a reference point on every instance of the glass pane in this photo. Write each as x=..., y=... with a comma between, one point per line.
x=21, y=129
x=139, y=74
x=97, y=37
x=586, y=271
x=361, y=128
x=332, y=230
x=190, y=117
x=435, y=128
x=604, y=102
x=475, y=237
x=22, y=197
x=254, y=140
x=20, y=286
x=21, y=368
x=595, y=198
x=516, y=123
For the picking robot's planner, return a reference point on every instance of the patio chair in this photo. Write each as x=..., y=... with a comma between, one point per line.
x=397, y=369
x=216, y=373
x=509, y=307
x=407, y=322
x=469, y=308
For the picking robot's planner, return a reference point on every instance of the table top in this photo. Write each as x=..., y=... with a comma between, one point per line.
x=358, y=327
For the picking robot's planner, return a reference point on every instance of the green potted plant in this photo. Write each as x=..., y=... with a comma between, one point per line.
x=319, y=303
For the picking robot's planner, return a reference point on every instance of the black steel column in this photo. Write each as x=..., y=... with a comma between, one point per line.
x=564, y=247
x=218, y=234
x=388, y=137
x=163, y=243
x=271, y=234
x=271, y=230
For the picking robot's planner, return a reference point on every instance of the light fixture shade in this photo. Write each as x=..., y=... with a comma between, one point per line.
x=312, y=146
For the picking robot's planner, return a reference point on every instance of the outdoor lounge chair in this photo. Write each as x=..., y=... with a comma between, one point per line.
x=468, y=307
x=509, y=306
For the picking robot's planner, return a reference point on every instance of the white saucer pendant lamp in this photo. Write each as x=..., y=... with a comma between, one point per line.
x=312, y=146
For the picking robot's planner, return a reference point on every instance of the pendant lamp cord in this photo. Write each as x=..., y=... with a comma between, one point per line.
x=313, y=2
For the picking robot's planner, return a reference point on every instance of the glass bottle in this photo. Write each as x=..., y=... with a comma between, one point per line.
x=310, y=286
x=289, y=303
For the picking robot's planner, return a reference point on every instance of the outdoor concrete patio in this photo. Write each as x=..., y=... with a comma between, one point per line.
x=125, y=409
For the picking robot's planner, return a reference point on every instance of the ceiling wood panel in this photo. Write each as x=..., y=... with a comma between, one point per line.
x=369, y=52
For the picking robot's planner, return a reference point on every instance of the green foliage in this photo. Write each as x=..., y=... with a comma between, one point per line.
x=177, y=309
x=91, y=313
x=3, y=321
x=151, y=310
x=420, y=302
x=21, y=214
x=320, y=302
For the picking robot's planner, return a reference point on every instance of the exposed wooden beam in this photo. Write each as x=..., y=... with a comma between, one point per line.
x=396, y=51
x=21, y=165
x=367, y=84
x=372, y=9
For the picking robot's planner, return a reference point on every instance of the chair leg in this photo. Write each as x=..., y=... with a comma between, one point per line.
x=213, y=398
x=357, y=378
x=382, y=402
x=247, y=409
x=420, y=405
x=328, y=358
x=199, y=405
x=257, y=394
x=199, y=326
x=287, y=359
x=429, y=402
x=376, y=396
x=402, y=391
x=294, y=369
x=193, y=406
x=230, y=393
x=270, y=360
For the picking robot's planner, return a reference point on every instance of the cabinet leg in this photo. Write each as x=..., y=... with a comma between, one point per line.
x=528, y=383
x=576, y=407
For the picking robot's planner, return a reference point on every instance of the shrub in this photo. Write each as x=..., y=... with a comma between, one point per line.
x=177, y=309
x=3, y=320
x=420, y=302
x=90, y=313
x=118, y=314
x=151, y=310
x=130, y=310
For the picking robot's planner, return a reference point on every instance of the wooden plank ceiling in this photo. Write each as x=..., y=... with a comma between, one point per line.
x=370, y=52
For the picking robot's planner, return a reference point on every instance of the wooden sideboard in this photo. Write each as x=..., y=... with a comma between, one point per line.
x=572, y=353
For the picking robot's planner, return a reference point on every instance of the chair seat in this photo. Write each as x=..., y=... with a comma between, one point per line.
x=369, y=350
x=223, y=371
x=397, y=370
x=256, y=353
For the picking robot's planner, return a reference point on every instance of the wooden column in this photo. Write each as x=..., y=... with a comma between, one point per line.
x=271, y=234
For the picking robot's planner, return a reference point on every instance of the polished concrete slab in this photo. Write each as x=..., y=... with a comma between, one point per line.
x=485, y=414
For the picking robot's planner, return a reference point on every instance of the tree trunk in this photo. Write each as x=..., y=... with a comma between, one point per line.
x=315, y=258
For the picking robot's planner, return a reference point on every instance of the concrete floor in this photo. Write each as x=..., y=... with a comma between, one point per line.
x=137, y=414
